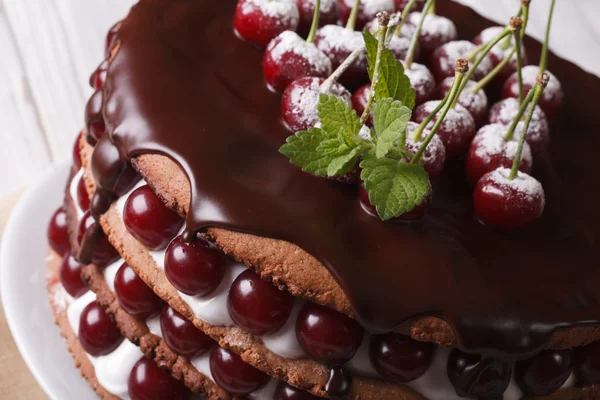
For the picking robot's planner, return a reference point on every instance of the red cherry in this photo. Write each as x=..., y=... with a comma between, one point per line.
x=111, y=38
x=434, y=156
x=76, y=154
x=401, y=4
x=499, y=53
x=182, y=336
x=457, y=129
x=99, y=76
x=98, y=333
x=289, y=57
x=233, y=374
x=328, y=336
x=490, y=151
x=257, y=305
x=134, y=295
x=367, y=10
x=194, y=268
x=148, y=382
x=443, y=60
x=288, y=392
x=477, y=377
x=436, y=31
x=330, y=12
x=104, y=252
x=475, y=103
x=400, y=358
x=70, y=277
x=508, y=204
x=83, y=199
x=260, y=21
x=415, y=214
x=360, y=97
x=149, y=220
x=58, y=232
x=552, y=97
x=398, y=45
x=545, y=373
x=300, y=100
x=538, y=135
x=422, y=80
x=587, y=361
x=337, y=43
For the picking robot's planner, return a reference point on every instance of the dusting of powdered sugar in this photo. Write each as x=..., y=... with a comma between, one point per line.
x=435, y=149
x=327, y=6
x=461, y=49
x=370, y=8
x=505, y=111
x=476, y=102
x=489, y=142
x=365, y=133
x=457, y=119
x=332, y=39
x=435, y=26
x=291, y=42
x=489, y=34
x=406, y=31
x=527, y=186
x=283, y=12
x=399, y=46
x=530, y=74
x=421, y=79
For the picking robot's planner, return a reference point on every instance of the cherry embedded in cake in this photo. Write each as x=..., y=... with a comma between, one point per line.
x=475, y=103
x=500, y=51
x=434, y=156
x=478, y=377
x=83, y=198
x=58, y=232
x=134, y=295
x=367, y=10
x=260, y=21
x=552, y=97
x=436, y=31
x=147, y=382
x=329, y=15
x=103, y=253
x=233, y=374
x=70, y=277
x=285, y=391
x=99, y=76
x=444, y=60
x=98, y=333
x=545, y=373
x=182, y=336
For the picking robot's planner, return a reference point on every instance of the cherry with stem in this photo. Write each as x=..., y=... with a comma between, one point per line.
x=404, y=16
x=544, y=56
x=516, y=26
x=415, y=39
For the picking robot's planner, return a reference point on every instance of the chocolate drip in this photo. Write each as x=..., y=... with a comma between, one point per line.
x=88, y=243
x=182, y=85
x=479, y=377
x=93, y=116
x=338, y=383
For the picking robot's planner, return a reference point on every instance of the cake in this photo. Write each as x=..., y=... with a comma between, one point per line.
x=221, y=270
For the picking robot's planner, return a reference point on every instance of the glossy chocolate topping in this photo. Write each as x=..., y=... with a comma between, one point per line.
x=182, y=85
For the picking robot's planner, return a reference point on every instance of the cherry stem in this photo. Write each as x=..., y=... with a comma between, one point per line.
x=538, y=90
x=489, y=77
x=415, y=39
x=416, y=136
x=544, y=56
x=525, y=8
x=315, y=23
x=506, y=43
x=516, y=25
x=395, y=21
x=384, y=20
x=351, y=24
x=404, y=16
x=461, y=68
x=513, y=125
x=431, y=10
x=349, y=61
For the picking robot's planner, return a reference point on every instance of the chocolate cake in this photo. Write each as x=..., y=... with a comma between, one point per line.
x=228, y=272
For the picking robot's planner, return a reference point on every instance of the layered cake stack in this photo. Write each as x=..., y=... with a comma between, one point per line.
x=191, y=258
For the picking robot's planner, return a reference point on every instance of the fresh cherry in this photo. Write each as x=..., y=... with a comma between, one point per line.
x=149, y=220
x=552, y=97
x=444, y=60
x=545, y=373
x=457, y=129
x=367, y=10
x=288, y=392
x=330, y=12
x=111, y=38
x=58, y=232
x=434, y=156
x=328, y=336
x=587, y=361
x=300, y=100
x=360, y=97
x=83, y=198
x=416, y=213
x=422, y=81
x=148, y=382
x=76, y=154
x=436, y=32
x=399, y=45
x=134, y=295
x=98, y=333
x=195, y=268
x=257, y=305
x=400, y=358
x=477, y=377
x=508, y=204
x=70, y=277
x=475, y=103
x=104, y=253
x=401, y=5
x=233, y=374
x=489, y=151
x=538, y=134
x=260, y=21
x=499, y=52
x=182, y=336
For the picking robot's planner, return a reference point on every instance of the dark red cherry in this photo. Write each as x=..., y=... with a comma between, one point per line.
x=434, y=156
x=436, y=32
x=58, y=232
x=500, y=51
x=490, y=151
x=360, y=97
x=416, y=213
x=457, y=129
x=508, y=204
x=400, y=358
x=475, y=103
x=545, y=373
x=257, y=305
x=476, y=377
x=443, y=60
x=98, y=333
x=330, y=12
x=76, y=154
x=587, y=364
x=260, y=21
x=289, y=57
x=99, y=76
x=288, y=392
x=182, y=336
x=367, y=10
x=97, y=129
x=104, y=252
x=194, y=268
x=401, y=4
x=83, y=198
x=70, y=277
x=328, y=336
x=134, y=295
x=422, y=81
x=398, y=44
x=552, y=97
x=148, y=382
x=233, y=374
x=301, y=98
x=111, y=38
x=149, y=220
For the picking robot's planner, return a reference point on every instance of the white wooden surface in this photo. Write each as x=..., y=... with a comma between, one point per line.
x=48, y=48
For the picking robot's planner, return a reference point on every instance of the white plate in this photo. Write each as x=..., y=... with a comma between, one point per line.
x=23, y=290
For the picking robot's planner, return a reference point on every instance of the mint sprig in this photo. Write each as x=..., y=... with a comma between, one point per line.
x=390, y=119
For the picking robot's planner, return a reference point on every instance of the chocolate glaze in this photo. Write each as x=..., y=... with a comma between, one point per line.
x=338, y=383
x=182, y=85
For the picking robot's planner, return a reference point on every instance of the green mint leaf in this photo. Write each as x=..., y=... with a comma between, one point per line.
x=394, y=187
x=337, y=116
x=301, y=149
x=390, y=120
x=392, y=80
x=344, y=164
